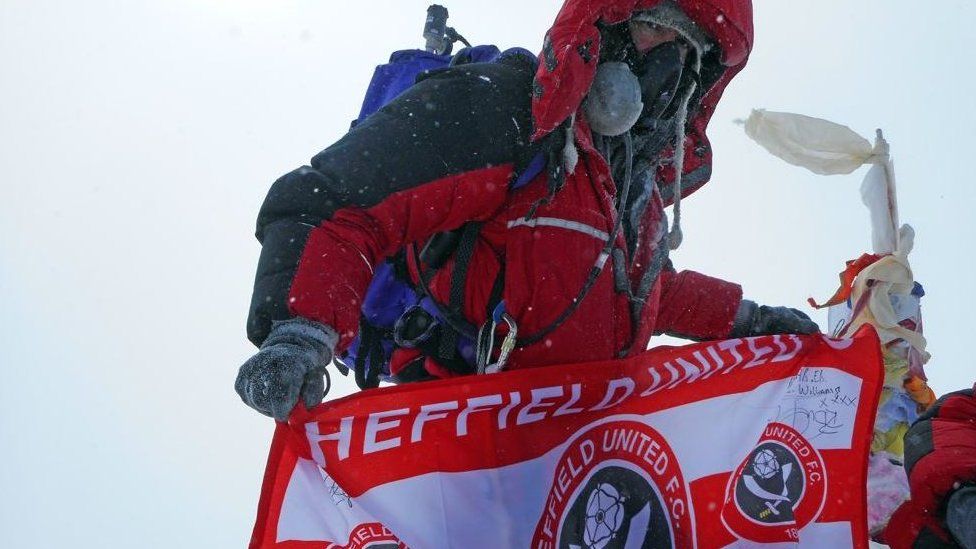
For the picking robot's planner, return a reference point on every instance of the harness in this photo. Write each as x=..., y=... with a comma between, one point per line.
x=440, y=330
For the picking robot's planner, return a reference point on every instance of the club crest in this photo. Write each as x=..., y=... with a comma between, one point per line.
x=778, y=489
x=617, y=485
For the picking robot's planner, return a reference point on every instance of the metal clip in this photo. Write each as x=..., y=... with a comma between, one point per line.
x=486, y=341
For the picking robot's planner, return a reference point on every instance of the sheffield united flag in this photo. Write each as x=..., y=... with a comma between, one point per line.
x=747, y=442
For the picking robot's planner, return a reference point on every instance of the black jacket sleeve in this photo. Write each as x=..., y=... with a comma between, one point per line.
x=452, y=121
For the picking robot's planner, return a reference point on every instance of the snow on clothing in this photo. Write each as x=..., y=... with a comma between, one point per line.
x=445, y=153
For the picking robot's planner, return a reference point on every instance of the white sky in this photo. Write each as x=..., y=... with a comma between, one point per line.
x=138, y=138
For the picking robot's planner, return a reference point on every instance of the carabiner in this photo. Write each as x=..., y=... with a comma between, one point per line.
x=486, y=341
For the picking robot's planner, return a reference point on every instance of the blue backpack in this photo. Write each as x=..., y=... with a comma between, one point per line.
x=390, y=298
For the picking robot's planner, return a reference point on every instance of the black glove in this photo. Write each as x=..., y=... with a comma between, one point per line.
x=756, y=320
x=961, y=516
x=291, y=363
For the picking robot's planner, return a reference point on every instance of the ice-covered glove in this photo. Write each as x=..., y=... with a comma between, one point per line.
x=290, y=364
x=758, y=320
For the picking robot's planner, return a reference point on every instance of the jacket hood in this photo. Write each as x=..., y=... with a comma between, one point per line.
x=571, y=52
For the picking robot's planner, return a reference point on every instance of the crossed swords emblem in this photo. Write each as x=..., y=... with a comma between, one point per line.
x=772, y=500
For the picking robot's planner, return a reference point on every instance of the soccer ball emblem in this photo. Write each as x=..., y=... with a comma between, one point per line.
x=604, y=515
x=765, y=464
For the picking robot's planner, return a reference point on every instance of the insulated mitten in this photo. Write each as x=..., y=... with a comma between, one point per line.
x=756, y=320
x=291, y=363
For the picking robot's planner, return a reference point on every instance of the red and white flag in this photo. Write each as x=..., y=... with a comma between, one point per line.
x=759, y=441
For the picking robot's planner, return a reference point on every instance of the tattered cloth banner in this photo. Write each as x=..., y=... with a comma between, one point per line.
x=876, y=289
x=742, y=442
x=828, y=148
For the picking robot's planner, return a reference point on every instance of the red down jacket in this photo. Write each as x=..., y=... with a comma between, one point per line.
x=940, y=457
x=445, y=152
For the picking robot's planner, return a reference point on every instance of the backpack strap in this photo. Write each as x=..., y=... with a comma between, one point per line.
x=371, y=356
x=469, y=237
x=452, y=318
